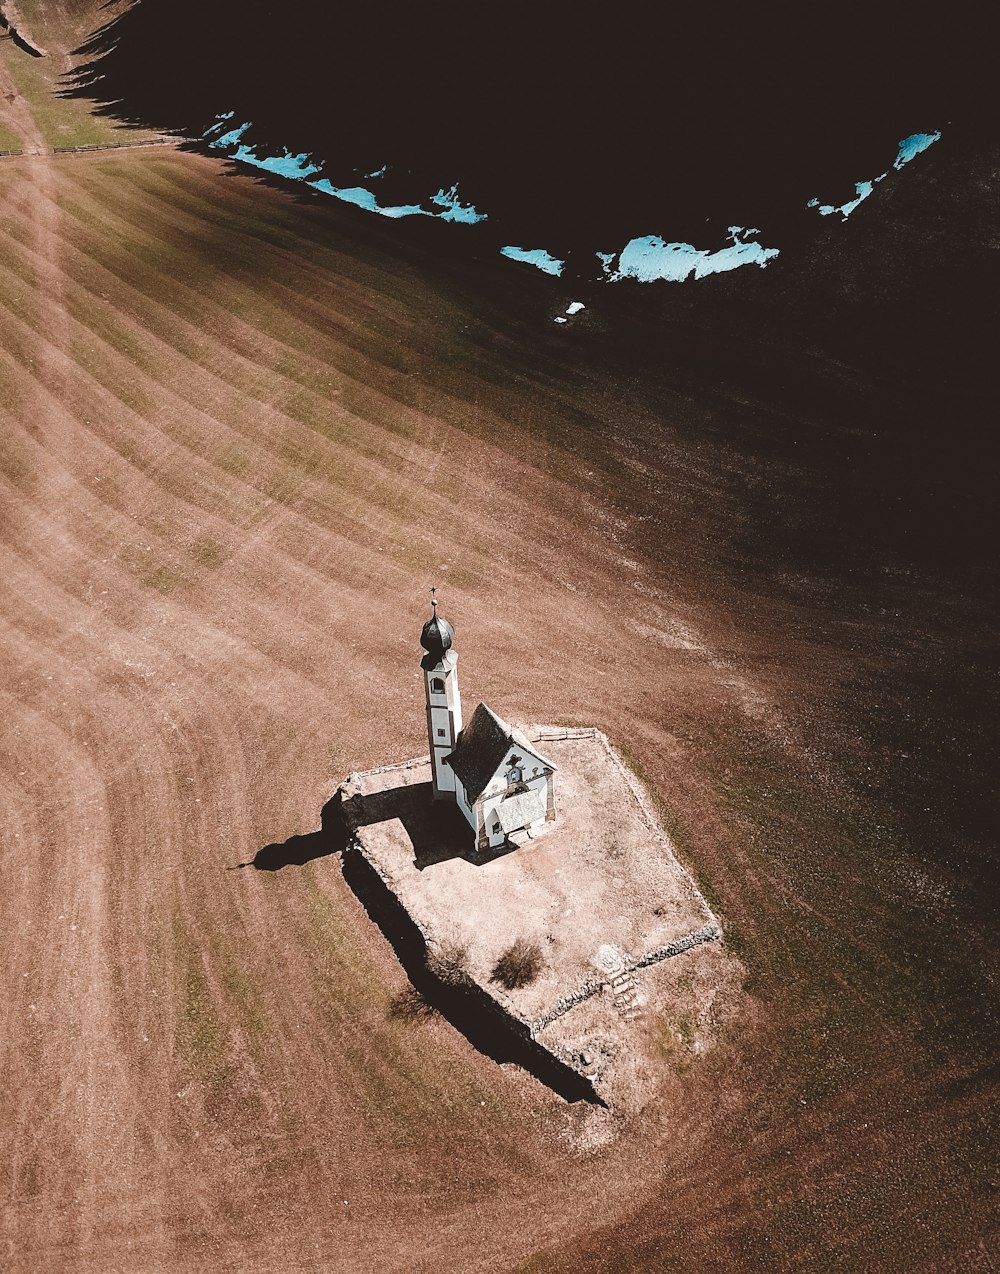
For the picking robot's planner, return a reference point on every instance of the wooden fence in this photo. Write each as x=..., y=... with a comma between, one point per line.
x=92, y=146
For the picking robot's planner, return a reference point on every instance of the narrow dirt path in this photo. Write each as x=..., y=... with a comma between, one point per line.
x=16, y=115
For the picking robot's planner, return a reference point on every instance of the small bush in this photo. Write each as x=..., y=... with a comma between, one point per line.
x=449, y=963
x=411, y=1006
x=519, y=965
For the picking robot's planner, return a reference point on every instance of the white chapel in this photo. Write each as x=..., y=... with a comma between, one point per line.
x=498, y=779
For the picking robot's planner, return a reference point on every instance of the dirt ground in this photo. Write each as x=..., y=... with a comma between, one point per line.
x=601, y=876
x=242, y=435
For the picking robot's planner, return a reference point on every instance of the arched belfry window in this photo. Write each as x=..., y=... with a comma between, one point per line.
x=437, y=685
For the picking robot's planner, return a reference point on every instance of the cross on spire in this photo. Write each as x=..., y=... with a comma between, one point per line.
x=434, y=600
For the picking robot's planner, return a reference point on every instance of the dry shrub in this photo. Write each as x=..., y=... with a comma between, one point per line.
x=449, y=963
x=411, y=1006
x=519, y=965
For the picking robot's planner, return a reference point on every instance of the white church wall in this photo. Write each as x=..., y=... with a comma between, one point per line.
x=444, y=720
x=441, y=719
x=447, y=779
x=449, y=698
x=462, y=801
x=537, y=783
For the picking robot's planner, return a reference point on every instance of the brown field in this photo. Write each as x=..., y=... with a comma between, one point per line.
x=242, y=435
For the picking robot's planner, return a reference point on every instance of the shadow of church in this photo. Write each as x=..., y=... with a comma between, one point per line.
x=437, y=830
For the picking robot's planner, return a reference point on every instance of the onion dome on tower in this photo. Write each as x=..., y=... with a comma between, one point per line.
x=437, y=634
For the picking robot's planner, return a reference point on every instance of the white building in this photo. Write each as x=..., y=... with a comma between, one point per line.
x=500, y=781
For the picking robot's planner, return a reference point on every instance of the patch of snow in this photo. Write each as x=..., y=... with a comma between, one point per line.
x=220, y=122
x=454, y=209
x=299, y=167
x=537, y=257
x=362, y=198
x=650, y=258
x=230, y=138
x=914, y=145
x=909, y=148
x=295, y=167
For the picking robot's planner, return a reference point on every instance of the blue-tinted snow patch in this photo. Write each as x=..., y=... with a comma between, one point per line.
x=362, y=198
x=913, y=145
x=299, y=167
x=295, y=167
x=230, y=138
x=646, y=259
x=909, y=147
x=535, y=256
x=862, y=189
x=220, y=122
x=454, y=209
x=650, y=259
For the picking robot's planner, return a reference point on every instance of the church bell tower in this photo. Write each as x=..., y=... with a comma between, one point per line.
x=444, y=703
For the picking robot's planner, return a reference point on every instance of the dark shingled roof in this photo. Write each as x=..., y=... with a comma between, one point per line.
x=482, y=746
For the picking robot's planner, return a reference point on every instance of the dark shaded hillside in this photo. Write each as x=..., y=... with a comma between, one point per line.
x=909, y=283
x=570, y=132
x=573, y=134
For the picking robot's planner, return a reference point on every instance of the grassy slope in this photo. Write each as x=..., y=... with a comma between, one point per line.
x=268, y=439
x=59, y=28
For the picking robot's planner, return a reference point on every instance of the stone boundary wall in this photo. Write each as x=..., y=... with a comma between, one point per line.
x=356, y=776
x=563, y=1006
x=482, y=1018
x=356, y=846
x=556, y=734
x=707, y=933
x=537, y=734
x=652, y=821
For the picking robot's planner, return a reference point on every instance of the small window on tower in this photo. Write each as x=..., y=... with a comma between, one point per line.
x=440, y=734
x=437, y=685
x=496, y=829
